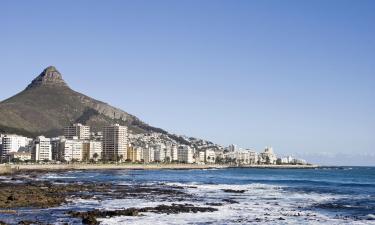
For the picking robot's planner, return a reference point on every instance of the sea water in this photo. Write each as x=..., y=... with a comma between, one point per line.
x=336, y=195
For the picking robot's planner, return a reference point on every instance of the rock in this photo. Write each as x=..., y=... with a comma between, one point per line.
x=11, y=198
x=214, y=204
x=27, y=222
x=90, y=216
x=50, y=76
x=230, y=201
x=233, y=191
x=90, y=220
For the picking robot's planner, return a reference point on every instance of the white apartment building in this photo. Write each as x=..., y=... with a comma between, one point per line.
x=71, y=149
x=209, y=156
x=95, y=149
x=13, y=143
x=232, y=148
x=41, y=149
x=267, y=157
x=77, y=130
x=241, y=156
x=287, y=160
x=92, y=150
x=21, y=156
x=148, y=154
x=185, y=154
x=115, y=142
x=201, y=157
x=159, y=153
x=174, y=153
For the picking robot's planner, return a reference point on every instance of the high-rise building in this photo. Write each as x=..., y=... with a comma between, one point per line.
x=174, y=153
x=148, y=154
x=185, y=154
x=77, y=130
x=159, y=153
x=56, y=153
x=232, y=148
x=115, y=142
x=13, y=143
x=41, y=149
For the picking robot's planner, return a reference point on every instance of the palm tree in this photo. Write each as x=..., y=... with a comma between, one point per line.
x=95, y=156
x=120, y=158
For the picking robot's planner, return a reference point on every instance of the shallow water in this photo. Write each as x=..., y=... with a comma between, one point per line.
x=344, y=195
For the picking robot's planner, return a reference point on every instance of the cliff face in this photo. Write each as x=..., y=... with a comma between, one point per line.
x=48, y=104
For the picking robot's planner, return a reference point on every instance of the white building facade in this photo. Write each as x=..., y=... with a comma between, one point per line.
x=13, y=143
x=71, y=150
x=41, y=149
x=185, y=154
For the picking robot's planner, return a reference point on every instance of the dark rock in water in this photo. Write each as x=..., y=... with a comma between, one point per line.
x=90, y=220
x=27, y=222
x=230, y=201
x=281, y=218
x=233, y=191
x=214, y=204
x=90, y=216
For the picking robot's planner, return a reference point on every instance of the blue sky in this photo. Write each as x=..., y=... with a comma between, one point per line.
x=295, y=75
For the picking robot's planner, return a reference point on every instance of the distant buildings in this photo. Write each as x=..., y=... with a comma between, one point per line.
x=135, y=154
x=267, y=157
x=207, y=156
x=77, y=130
x=232, y=148
x=185, y=154
x=115, y=142
x=21, y=156
x=71, y=150
x=159, y=153
x=94, y=150
x=174, y=152
x=148, y=154
x=13, y=143
x=41, y=149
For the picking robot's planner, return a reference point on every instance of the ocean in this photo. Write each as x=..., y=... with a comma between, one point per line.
x=335, y=195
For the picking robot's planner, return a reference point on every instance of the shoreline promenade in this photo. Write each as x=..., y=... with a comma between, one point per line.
x=5, y=168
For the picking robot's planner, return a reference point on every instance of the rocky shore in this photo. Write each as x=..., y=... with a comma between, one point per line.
x=26, y=190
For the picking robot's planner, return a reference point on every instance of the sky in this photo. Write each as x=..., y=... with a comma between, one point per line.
x=295, y=75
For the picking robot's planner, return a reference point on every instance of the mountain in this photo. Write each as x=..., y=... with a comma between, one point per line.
x=48, y=104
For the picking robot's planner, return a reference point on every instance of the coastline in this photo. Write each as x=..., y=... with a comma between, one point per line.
x=6, y=169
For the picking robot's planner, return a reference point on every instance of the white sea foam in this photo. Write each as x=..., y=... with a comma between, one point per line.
x=260, y=203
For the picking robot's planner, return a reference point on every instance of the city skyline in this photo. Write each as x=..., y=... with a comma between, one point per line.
x=290, y=80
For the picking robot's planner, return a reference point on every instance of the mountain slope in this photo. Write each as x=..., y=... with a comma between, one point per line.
x=48, y=104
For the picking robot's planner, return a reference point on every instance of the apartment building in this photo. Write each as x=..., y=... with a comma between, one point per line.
x=41, y=149
x=77, y=130
x=115, y=142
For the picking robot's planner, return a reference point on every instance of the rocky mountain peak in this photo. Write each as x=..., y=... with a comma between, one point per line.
x=49, y=77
